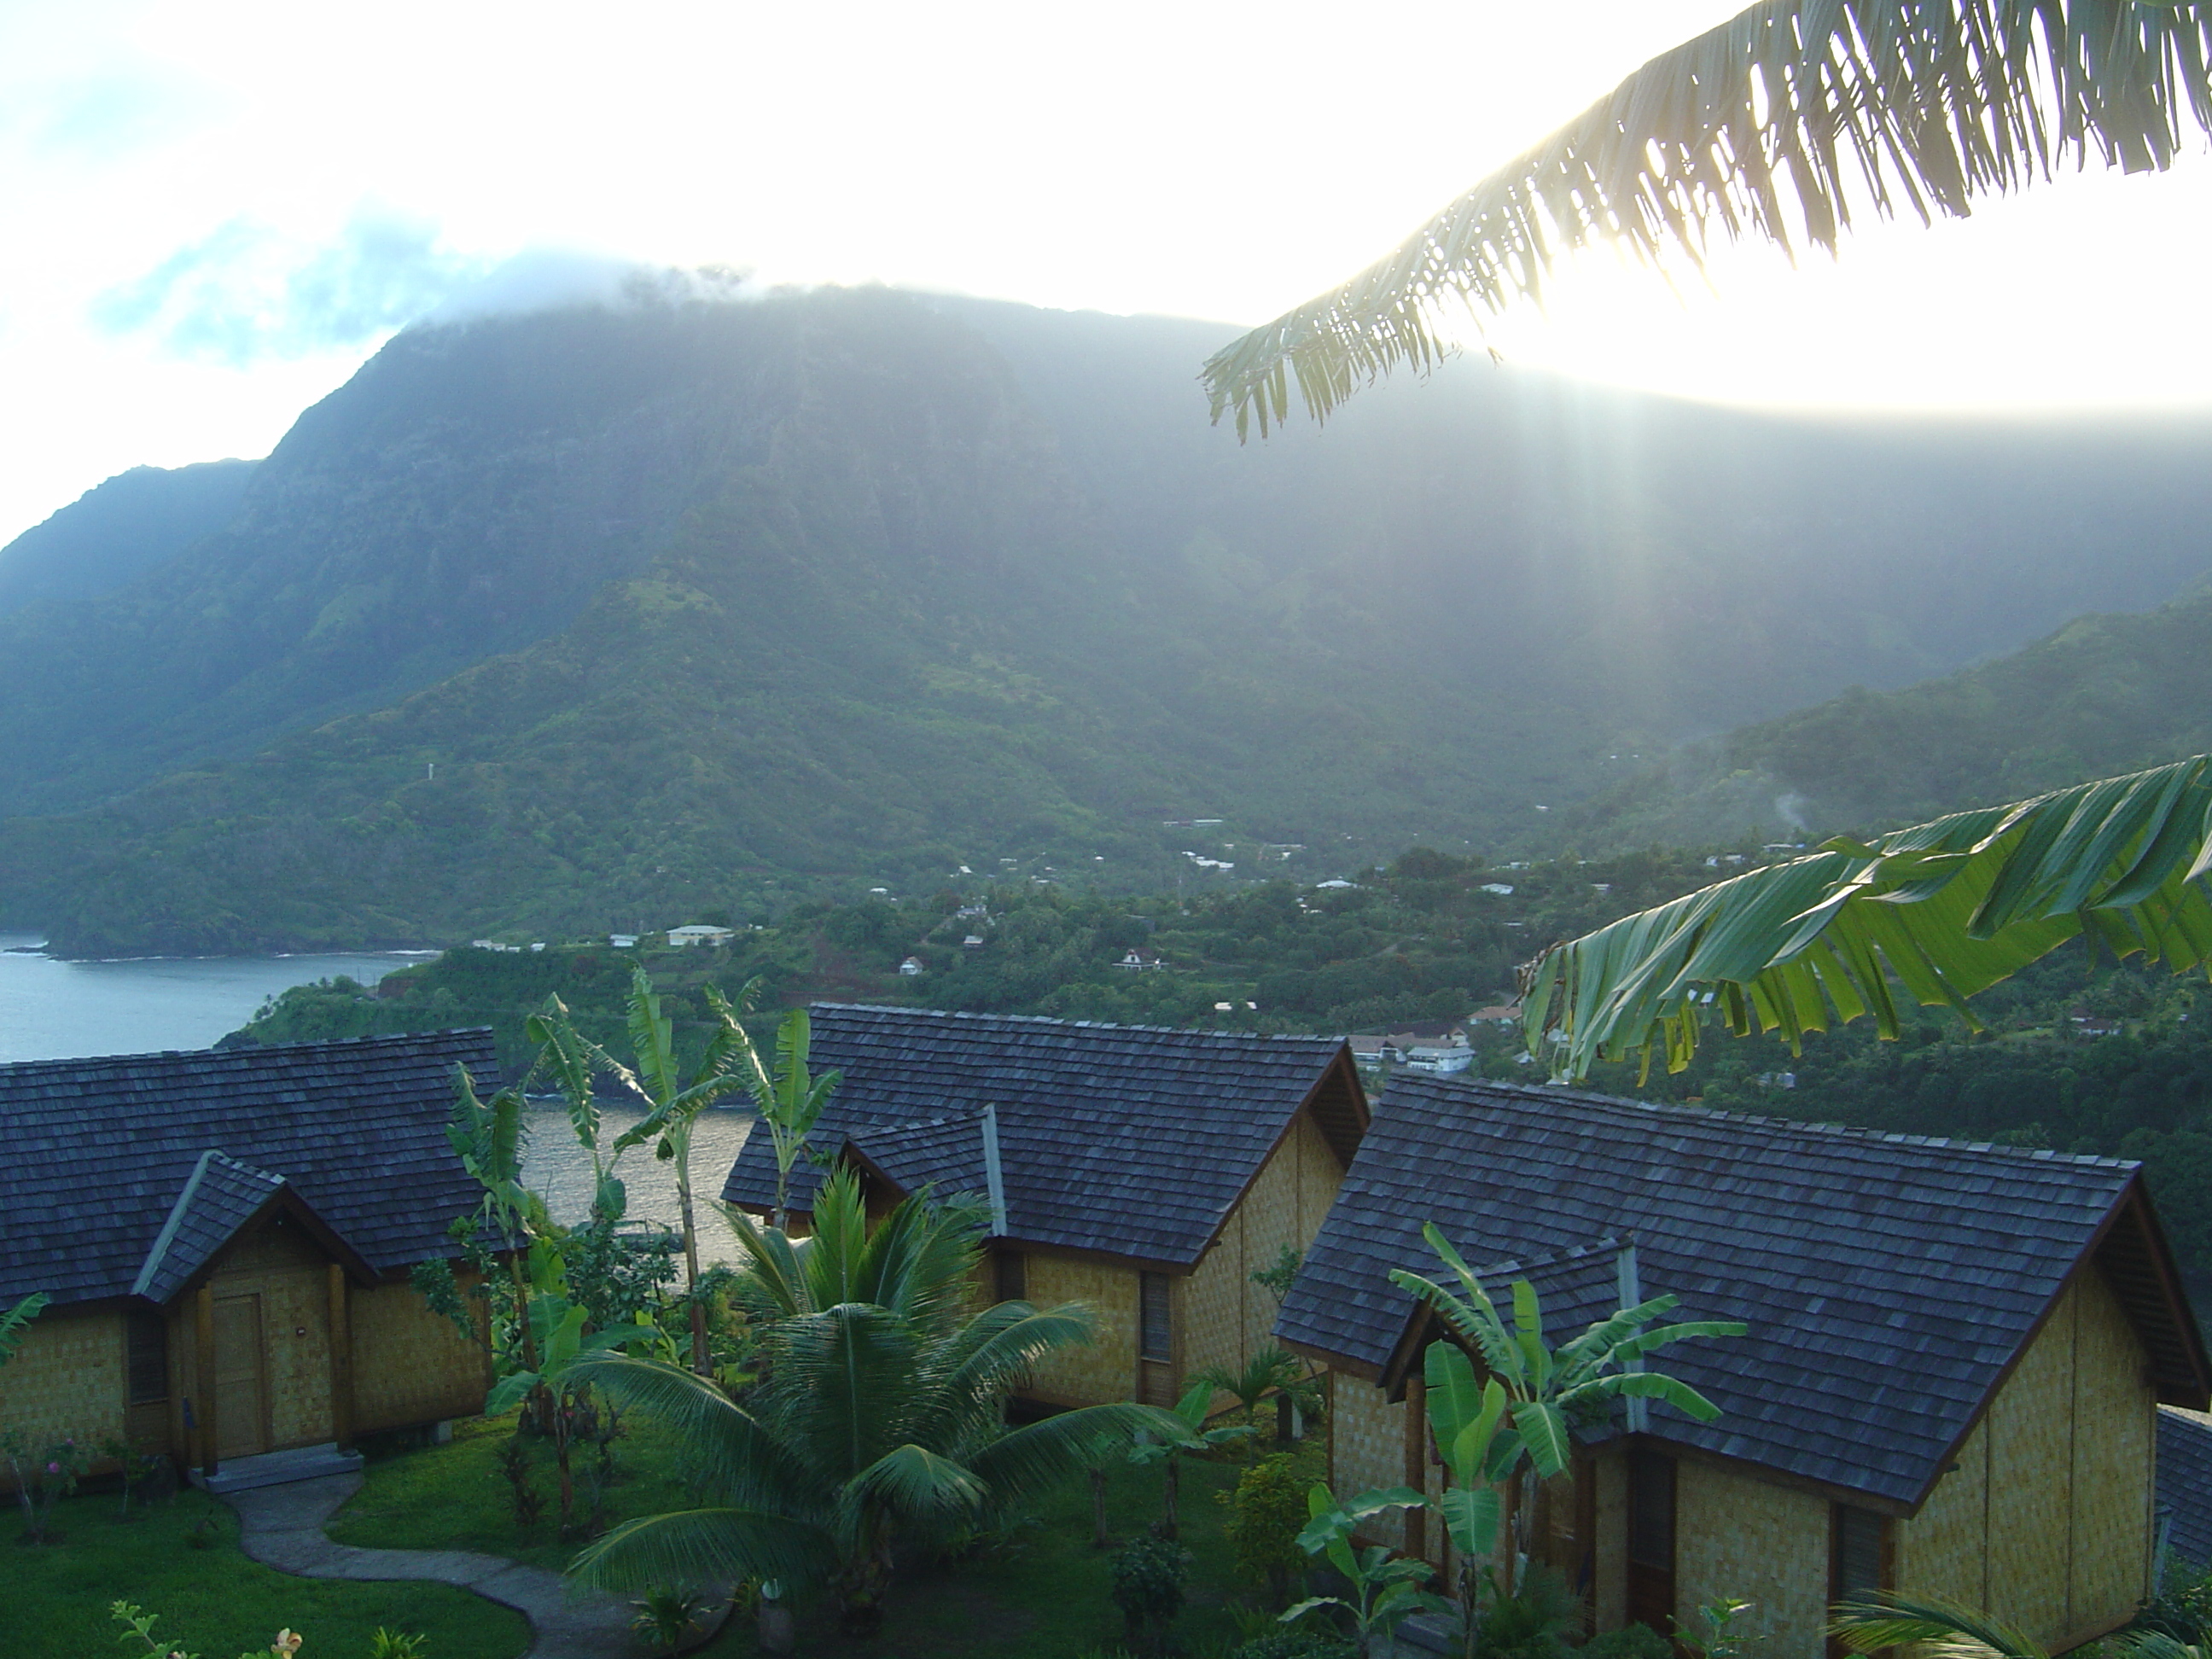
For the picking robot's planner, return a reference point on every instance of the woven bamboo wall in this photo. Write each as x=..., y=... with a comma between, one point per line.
x=66, y=1379
x=1609, y=1597
x=2115, y=1459
x=1230, y=1318
x=290, y=1273
x=1737, y=1535
x=1367, y=1449
x=2046, y=1519
x=410, y=1364
x=1106, y=1370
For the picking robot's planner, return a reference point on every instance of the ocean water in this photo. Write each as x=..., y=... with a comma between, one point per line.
x=555, y=1164
x=51, y=1010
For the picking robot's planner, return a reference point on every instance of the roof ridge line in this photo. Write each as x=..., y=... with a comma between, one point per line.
x=1076, y=1024
x=1571, y=1252
x=149, y=1268
x=219, y=1055
x=1542, y=1091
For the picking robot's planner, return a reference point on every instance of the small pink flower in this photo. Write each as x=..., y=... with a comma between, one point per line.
x=53, y=1468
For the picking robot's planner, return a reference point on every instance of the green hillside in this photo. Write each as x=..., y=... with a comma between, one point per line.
x=113, y=534
x=569, y=622
x=2104, y=695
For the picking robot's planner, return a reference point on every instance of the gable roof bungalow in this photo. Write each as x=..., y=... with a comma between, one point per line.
x=1950, y=1382
x=226, y=1236
x=1147, y=1172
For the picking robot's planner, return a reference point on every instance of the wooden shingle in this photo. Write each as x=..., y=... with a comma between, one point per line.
x=1888, y=1281
x=100, y=1151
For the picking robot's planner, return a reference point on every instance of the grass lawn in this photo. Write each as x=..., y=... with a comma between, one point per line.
x=1045, y=1594
x=211, y=1601
x=456, y=1497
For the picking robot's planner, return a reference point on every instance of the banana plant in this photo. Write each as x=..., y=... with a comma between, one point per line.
x=1517, y=1416
x=791, y=1102
x=673, y=1105
x=553, y=1332
x=571, y=1060
x=1385, y=1592
x=14, y=1322
x=1190, y=1410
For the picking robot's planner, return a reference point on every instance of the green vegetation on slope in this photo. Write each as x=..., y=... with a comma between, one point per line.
x=114, y=533
x=2105, y=695
x=697, y=604
x=1420, y=941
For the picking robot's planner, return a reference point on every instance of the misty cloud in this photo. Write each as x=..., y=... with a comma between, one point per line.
x=247, y=293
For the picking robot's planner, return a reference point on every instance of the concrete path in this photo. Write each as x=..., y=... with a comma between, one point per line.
x=281, y=1527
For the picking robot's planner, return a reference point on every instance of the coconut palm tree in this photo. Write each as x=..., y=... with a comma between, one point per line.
x=1932, y=914
x=878, y=1415
x=1753, y=129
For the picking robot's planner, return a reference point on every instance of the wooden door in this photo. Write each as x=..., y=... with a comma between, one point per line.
x=241, y=1378
x=1651, y=1540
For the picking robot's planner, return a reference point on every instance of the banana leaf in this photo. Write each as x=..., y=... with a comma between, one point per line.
x=1929, y=914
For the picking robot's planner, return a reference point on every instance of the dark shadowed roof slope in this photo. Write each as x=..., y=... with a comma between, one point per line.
x=1132, y=1140
x=2184, y=1485
x=1888, y=1281
x=100, y=1153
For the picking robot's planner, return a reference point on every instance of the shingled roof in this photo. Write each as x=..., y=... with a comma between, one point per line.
x=1131, y=1141
x=125, y=1175
x=2185, y=1486
x=1888, y=1281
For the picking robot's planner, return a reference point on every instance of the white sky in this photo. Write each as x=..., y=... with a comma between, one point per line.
x=1210, y=158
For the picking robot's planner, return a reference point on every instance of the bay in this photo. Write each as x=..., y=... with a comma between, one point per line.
x=556, y=1166
x=55, y=1010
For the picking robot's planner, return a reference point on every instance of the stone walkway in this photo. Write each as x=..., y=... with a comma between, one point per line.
x=281, y=1527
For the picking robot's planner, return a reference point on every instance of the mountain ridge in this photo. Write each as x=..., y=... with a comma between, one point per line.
x=696, y=605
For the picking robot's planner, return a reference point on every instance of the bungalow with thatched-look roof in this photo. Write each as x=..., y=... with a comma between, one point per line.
x=1148, y=1173
x=227, y=1236
x=1951, y=1381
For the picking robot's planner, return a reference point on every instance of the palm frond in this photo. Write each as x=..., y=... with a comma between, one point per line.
x=728, y=1452
x=704, y=1546
x=847, y=1373
x=774, y=1273
x=1768, y=126
x=839, y=1241
x=1952, y=1630
x=917, y=1485
x=1476, y=1321
x=1939, y=911
x=1038, y=1456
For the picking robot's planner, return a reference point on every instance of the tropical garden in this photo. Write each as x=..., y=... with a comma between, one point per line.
x=817, y=1434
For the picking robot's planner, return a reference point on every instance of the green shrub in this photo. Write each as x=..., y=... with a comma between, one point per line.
x=1629, y=1642
x=2183, y=1609
x=1149, y=1578
x=1537, y=1620
x=1267, y=1510
x=1292, y=1644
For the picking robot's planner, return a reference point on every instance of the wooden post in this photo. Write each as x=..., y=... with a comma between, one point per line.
x=1417, y=1463
x=341, y=1360
x=203, y=1365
